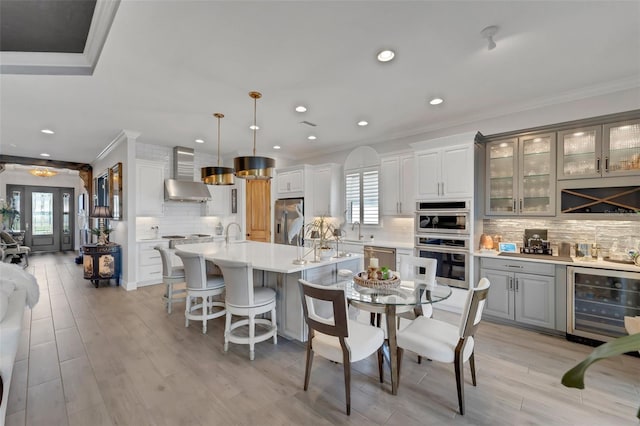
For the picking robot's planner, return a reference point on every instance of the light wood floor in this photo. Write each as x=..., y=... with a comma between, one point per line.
x=110, y=357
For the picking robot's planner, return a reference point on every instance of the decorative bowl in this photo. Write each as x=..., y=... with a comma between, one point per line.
x=362, y=280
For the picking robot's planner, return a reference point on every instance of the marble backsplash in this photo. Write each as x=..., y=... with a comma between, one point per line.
x=603, y=233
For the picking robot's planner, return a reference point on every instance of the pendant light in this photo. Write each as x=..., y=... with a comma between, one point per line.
x=254, y=167
x=217, y=175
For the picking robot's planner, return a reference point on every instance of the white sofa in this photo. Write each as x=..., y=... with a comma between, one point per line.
x=18, y=289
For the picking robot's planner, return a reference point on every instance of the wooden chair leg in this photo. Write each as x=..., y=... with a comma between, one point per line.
x=472, y=364
x=307, y=371
x=419, y=359
x=459, y=367
x=381, y=364
x=400, y=355
x=372, y=319
x=347, y=383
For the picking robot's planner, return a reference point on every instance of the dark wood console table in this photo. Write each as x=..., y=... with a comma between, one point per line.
x=101, y=262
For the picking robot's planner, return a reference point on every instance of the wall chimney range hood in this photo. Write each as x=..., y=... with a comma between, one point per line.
x=183, y=187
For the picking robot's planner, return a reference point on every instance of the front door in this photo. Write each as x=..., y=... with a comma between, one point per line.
x=45, y=216
x=259, y=210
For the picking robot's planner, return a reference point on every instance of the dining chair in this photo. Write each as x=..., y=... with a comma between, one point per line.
x=444, y=342
x=171, y=275
x=203, y=286
x=243, y=299
x=10, y=248
x=337, y=338
x=422, y=271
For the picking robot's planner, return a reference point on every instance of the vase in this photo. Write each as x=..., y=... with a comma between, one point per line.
x=326, y=253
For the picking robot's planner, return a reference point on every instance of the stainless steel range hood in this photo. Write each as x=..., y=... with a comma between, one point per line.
x=182, y=187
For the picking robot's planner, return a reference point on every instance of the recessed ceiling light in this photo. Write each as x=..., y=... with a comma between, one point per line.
x=436, y=101
x=44, y=154
x=276, y=147
x=254, y=127
x=199, y=141
x=47, y=131
x=363, y=123
x=311, y=138
x=301, y=108
x=386, y=55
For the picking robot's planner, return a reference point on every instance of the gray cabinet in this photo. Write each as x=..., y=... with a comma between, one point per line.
x=521, y=291
x=521, y=176
x=599, y=151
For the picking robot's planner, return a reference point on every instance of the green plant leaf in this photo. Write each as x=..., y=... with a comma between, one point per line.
x=574, y=378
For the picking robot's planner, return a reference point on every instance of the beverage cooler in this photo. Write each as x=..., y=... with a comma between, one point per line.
x=599, y=299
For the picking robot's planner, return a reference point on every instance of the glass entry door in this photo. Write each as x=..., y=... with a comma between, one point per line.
x=45, y=216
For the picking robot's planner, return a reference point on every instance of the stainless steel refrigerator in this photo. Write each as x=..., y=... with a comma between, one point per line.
x=288, y=216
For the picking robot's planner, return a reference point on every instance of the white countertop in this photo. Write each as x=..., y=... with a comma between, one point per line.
x=263, y=256
x=603, y=264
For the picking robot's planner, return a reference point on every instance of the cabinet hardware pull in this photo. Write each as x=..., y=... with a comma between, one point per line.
x=516, y=285
x=514, y=266
x=520, y=205
x=598, y=165
x=510, y=283
x=442, y=188
x=400, y=211
x=606, y=164
x=514, y=205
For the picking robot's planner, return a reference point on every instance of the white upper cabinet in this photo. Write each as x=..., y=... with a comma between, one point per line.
x=445, y=173
x=149, y=188
x=325, y=186
x=397, y=184
x=290, y=182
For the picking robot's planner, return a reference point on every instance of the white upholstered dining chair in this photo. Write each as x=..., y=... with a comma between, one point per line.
x=201, y=286
x=243, y=299
x=444, y=342
x=337, y=338
x=171, y=275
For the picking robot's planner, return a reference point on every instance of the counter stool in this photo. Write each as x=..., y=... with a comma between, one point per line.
x=243, y=299
x=201, y=286
x=171, y=275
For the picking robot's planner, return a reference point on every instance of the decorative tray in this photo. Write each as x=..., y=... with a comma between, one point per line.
x=362, y=280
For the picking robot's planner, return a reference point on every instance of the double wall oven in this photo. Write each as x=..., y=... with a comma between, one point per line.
x=443, y=232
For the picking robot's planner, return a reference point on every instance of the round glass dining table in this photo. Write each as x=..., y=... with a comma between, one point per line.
x=390, y=302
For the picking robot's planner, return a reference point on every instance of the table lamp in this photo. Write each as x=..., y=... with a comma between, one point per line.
x=101, y=213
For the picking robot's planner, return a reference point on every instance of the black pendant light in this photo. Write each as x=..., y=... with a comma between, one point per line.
x=254, y=167
x=217, y=175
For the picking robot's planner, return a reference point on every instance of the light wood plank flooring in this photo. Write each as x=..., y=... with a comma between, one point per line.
x=109, y=357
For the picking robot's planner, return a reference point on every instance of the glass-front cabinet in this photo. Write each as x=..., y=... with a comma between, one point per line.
x=599, y=151
x=521, y=176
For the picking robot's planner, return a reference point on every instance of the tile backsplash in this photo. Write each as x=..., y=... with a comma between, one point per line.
x=603, y=233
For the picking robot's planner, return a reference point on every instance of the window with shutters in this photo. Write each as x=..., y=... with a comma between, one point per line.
x=362, y=200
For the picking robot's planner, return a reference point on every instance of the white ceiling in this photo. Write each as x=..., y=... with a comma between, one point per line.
x=167, y=66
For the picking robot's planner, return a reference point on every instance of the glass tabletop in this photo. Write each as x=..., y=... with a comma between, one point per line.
x=408, y=293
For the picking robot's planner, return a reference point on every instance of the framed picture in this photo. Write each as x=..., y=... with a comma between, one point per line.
x=234, y=200
x=115, y=178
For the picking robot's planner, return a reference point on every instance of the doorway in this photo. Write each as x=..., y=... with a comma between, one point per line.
x=46, y=216
x=258, y=210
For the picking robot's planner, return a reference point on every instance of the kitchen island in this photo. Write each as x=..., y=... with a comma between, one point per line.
x=274, y=268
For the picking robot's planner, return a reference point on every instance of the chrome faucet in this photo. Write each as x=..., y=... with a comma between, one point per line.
x=226, y=231
x=353, y=227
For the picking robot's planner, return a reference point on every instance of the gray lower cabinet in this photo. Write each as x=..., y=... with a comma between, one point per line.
x=525, y=297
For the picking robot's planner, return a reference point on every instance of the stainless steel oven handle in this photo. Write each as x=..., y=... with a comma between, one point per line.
x=441, y=249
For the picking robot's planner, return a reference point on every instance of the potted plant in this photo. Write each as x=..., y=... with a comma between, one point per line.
x=322, y=231
x=102, y=234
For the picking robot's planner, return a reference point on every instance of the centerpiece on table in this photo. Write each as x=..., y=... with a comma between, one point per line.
x=377, y=277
